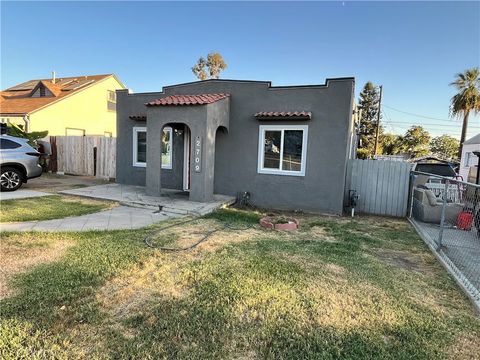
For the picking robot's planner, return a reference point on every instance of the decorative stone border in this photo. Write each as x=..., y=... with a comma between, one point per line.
x=268, y=222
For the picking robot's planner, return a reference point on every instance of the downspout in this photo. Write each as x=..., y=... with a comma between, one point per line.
x=26, y=118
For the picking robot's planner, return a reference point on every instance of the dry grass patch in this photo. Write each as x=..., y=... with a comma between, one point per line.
x=252, y=293
x=21, y=252
x=321, y=233
x=164, y=275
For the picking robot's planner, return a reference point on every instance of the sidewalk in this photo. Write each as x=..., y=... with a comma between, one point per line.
x=118, y=218
x=21, y=194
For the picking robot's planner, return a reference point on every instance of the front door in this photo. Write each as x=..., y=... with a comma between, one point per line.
x=186, y=158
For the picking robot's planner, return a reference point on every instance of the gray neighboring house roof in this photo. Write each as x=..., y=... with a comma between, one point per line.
x=473, y=140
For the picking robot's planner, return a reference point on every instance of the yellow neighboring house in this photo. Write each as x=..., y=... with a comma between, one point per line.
x=78, y=105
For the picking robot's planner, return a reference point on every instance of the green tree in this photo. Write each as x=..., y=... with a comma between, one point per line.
x=368, y=105
x=416, y=142
x=466, y=100
x=18, y=131
x=199, y=69
x=214, y=64
x=391, y=144
x=445, y=147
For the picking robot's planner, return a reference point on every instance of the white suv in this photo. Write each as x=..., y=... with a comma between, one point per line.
x=18, y=162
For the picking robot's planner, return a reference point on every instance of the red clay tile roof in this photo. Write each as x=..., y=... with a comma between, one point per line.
x=138, y=117
x=19, y=102
x=200, y=99
x=284, y=114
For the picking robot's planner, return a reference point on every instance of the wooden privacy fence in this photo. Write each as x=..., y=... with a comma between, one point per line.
x=382, y=186
x=84, y=155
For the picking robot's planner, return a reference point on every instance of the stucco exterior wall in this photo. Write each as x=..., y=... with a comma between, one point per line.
x=236, y=151
x=85, y=109
x=133, y=175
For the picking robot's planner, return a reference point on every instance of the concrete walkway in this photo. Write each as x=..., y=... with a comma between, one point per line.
x=171, y=201
x=118, y=218
x=21, y=194
x=137, y=210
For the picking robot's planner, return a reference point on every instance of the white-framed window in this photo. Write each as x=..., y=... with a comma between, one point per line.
x=140, y=147
x=282, y=149
x=74, y=132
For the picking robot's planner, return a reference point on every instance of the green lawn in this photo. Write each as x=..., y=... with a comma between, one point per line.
x=338, y=288
x=48, y=207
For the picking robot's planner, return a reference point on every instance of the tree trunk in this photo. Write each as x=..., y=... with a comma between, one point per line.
x=464, y=134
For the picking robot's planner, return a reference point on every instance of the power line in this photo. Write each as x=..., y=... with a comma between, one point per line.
x=418, y=115
x=431, y=125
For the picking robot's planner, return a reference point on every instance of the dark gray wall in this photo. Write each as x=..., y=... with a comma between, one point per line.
x=126, y=172
x=236, y=152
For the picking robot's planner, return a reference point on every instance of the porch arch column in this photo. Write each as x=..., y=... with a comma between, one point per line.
x=154, y=160
x=202, y=160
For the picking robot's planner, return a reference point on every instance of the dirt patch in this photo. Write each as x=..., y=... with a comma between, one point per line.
x=464, y=346
x=129, y=293
x=20, y=255
x=186, y=236
x=54, y=183
x=400, y=259
x=335, y=269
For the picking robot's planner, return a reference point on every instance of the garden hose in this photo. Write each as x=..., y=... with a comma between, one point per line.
x=204, y=238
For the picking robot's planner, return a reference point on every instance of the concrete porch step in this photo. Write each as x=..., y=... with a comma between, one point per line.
x=172, y=202
x=156, y=207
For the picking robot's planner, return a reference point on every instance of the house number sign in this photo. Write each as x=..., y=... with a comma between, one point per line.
x=197, y=159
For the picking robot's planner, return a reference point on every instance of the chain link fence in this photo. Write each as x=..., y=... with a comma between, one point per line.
x=446, y=213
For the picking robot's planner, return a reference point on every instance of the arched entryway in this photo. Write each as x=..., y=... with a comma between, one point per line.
x=202, y=122
x=175, y=156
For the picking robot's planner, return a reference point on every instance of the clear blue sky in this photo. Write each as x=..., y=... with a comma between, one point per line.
x=413, y=49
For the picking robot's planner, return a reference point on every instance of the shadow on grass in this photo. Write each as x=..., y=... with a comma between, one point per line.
x=269, y=297
x=50, y=292
x=250, y=303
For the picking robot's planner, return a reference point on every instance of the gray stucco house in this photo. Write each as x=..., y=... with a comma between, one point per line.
x=287, y=146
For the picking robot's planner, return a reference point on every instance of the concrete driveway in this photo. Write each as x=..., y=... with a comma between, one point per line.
x=53, y=183
x=49, y=184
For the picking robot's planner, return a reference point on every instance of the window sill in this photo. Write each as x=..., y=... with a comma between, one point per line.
x=281, y=172
x=144, y=165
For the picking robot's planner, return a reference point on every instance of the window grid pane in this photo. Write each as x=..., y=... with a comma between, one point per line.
x=292, y=150
x=167, y=147
x=141, y=146
x=272, y=149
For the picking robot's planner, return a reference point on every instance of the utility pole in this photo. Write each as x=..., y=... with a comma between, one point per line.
x=377, y=132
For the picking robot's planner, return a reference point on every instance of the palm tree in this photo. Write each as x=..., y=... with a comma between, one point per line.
x=467, y=99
